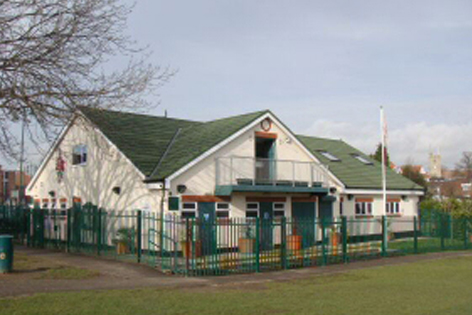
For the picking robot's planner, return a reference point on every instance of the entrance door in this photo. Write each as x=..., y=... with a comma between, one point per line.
x=265, y=153
x=266, y=214
x=303, y=214
x=206, y=216
x=326, y=209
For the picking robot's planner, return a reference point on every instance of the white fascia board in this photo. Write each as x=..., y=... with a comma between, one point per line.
x=380, y=192
x=51, y=150
x=241, y=132
x=154, y=186
x=216, y=147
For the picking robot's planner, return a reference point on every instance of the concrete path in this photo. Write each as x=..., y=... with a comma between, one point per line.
x=123, y=275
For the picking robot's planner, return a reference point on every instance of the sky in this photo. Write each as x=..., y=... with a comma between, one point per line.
x=323, y=67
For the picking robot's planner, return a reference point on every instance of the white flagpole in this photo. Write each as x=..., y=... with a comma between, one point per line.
x=384, y=179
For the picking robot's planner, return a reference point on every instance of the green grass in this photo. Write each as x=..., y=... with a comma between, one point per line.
x=425, y=245
x=432, y=287
x=43, y=268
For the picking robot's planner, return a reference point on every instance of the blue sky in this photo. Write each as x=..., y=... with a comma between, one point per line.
x=323, y=67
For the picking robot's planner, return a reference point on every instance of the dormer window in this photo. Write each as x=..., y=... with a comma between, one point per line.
x=330, y=156
x=362, y=159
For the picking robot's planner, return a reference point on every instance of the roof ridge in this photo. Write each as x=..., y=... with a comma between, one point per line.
x=240, y=115
x=320, y=138
x=103, y=110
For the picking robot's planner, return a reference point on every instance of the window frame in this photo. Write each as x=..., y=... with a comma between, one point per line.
x=367, y=209
x=256, y=209
x=276, y=209
x=362, y=159
x=219, y=212
x=396, y=208
x=330, y=156
x=82, y=154
x=190, y=213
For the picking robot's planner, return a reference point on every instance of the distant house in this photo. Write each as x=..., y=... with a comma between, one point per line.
x=11, y=187
x=250, y=165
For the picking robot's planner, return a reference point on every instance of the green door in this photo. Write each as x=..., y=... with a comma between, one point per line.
x=303, y=214
x=326, y=209
x=266, y=215
x=206, y=216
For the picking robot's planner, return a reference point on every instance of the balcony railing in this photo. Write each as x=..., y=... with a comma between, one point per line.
x=236, y=170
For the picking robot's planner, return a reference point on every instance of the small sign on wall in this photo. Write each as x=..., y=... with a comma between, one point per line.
x=174, y=203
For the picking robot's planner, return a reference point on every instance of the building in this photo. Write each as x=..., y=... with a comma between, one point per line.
x=250, y=165
x=11, y=188
x=435, y=166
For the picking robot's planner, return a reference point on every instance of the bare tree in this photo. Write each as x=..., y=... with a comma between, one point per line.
x=53, y=56
x=464, y=166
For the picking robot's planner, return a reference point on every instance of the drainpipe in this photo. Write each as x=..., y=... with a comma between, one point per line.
x=161, y=227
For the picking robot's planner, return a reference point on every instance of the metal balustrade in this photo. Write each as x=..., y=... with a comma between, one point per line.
x=236, y=170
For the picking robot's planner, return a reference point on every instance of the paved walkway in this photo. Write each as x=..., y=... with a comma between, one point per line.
x=122, y=275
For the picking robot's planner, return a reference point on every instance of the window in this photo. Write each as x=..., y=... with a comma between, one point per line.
x=189, y=206
x=466, y=187
x=45, y=204
x=329, y=156
x=279, y=209
x=252, y=210
x=393, y=207
x=362, y=159
x=189, y=209
x=222, y=209
x=79, y=155
x=188, y=214
x=64, y=204
x=53, y=204
x=222, y=214
x=364, y=207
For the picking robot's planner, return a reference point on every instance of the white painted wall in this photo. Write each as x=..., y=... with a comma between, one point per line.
x=106, y=168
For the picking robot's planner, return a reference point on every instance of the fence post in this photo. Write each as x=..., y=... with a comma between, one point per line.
x=324, y=260
x=28, y=227
x=98, y=213
x=443, y=228
x=258, y=248
x=139, y=234
x=466, y=234
x=283, y=244
x=344, y=237
x=415, y=234
x=384, y=236
x=69, y=228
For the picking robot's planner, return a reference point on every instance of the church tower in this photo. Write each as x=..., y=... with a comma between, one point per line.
x=435, y=169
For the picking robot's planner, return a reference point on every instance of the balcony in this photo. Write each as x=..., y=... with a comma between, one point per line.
x=244, y=174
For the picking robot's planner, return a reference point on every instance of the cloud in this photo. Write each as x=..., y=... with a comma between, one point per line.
x=412, y=142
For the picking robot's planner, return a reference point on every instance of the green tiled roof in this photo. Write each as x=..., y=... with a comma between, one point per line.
x=160, y=146
x=146, y=140
x=352, y=172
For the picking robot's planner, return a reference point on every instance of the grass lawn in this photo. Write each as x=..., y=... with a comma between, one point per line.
x=43, y=268
x=433, y=287
x=425, y=245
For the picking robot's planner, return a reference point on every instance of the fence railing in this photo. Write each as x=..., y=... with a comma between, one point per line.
x=195, y=247
x=236, y=170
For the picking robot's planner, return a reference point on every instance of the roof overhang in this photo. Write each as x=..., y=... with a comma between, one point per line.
x=362, y=191
x=228, y=190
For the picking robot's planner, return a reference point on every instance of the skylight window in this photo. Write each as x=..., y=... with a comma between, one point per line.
x=362, y=159
x=329, y=156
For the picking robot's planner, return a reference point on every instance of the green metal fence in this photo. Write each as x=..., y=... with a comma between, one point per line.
x=196, y=247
